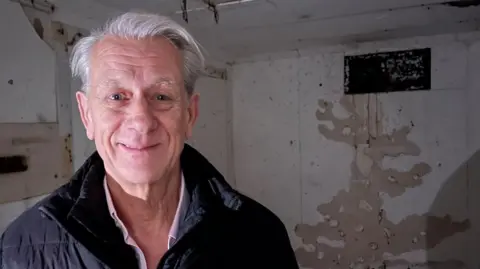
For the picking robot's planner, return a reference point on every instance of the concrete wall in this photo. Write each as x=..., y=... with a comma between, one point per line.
x=211, y=134
x=34, y=109
x=379, y=179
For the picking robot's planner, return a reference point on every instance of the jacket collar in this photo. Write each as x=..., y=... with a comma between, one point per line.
x=83, y=199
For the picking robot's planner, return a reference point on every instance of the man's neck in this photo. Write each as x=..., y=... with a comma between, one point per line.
x=149, y=207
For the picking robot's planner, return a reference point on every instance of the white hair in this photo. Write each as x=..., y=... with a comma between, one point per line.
x=134, y=25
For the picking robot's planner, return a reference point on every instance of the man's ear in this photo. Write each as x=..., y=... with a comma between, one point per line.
x=85, y=113
x=192, y=114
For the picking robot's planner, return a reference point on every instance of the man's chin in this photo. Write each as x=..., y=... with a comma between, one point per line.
x=141, y=173
x=140, y=178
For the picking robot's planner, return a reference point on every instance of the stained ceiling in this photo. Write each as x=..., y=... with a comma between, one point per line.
x=248, y=27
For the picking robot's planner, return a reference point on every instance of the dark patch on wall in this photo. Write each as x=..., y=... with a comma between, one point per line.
x=10, y=81
x=214, y=72
x=37, y=25
x=41, y=117
x=408, y=70
x=305, y=17
x=13, y=164
x=61, y=31
x=73, y=40
x=463, y=3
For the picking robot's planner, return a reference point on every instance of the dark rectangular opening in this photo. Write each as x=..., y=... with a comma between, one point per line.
x=13, y=164
x=407, y=70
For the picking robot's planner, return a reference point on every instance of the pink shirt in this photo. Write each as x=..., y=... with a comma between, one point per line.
x=172, y=235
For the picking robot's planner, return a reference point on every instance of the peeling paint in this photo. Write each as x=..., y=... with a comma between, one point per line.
x=361, y=223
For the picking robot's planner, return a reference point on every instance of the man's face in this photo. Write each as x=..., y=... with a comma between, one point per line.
x=136, y=107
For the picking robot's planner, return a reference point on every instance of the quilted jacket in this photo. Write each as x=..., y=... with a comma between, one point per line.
x=72, y=229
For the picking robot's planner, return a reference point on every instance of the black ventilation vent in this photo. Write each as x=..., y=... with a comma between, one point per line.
x=13, y=164
x=408, y=70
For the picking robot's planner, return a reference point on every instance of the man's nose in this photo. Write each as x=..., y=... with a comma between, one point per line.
x=142, y=118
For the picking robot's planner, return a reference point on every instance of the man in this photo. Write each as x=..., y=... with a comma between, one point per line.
x=144, y=199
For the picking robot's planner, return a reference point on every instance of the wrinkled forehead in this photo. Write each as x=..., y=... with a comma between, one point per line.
x=153, y=60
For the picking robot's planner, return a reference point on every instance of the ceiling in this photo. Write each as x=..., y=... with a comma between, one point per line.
x=248, y=27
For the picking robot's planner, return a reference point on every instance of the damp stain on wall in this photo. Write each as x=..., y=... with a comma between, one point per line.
x=355, y=232
x=67, y=159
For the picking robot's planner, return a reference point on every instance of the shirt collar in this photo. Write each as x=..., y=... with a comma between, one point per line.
x=181, y=207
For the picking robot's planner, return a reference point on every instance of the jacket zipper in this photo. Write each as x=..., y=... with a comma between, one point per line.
x=177, y=246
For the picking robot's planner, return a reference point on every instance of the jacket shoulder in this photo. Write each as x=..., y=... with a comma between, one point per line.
x=29, y=237
x=259, y=227
x=31, y=228
x=34, y=227
x=257, y=212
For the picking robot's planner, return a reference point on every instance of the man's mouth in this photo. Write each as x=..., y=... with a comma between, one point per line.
x=137, y=147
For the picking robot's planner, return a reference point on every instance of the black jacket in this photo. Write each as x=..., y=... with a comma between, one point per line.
x=221, y=228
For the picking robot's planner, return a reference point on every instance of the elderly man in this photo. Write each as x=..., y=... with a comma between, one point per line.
x=144, y=199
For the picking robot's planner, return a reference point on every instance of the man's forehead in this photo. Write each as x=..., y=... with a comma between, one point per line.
x=117, y=61
x=146, y=46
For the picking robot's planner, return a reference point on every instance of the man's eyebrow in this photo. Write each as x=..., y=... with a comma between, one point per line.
x=163, y=81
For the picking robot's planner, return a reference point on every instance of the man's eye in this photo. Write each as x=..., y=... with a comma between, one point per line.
x=161, y=97
x=117, y=96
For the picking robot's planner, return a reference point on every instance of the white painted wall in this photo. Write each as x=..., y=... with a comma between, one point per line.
x=34, y=118
x=294, y=152
x=210, y=135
